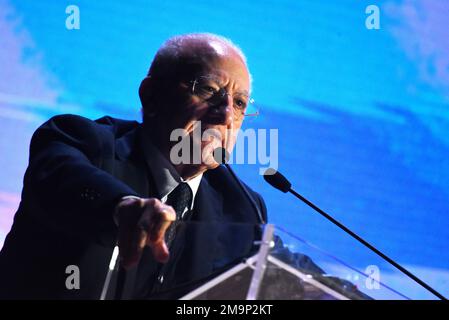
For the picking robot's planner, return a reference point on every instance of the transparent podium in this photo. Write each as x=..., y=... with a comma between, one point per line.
x=238, y=261
x=276, y=271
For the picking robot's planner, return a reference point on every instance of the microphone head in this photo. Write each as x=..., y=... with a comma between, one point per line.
x=277, y=180
x=221, y=156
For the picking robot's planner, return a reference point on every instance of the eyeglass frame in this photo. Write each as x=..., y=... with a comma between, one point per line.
x=221, y=93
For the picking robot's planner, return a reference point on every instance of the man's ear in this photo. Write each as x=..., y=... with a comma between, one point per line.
x=146, y=94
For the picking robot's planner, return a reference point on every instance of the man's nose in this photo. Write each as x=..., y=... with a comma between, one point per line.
x=222, y=112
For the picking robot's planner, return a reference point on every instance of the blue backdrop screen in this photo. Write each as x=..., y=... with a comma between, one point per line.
x=362, y=114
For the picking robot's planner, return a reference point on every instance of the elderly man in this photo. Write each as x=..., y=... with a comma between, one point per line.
x=91, y=184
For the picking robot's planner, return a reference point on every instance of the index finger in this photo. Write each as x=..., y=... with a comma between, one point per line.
x=159, y=223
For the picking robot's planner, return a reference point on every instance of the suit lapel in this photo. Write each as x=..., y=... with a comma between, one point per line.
x=130, y=166
x=208, y=205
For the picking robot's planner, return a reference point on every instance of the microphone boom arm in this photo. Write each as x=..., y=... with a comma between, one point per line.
x=278, y=181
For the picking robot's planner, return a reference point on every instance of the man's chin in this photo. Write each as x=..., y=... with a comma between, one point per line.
x=213, y=166
x=208, y=161
x=208, y=149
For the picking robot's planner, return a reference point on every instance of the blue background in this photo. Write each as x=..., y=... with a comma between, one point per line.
x=363, y=115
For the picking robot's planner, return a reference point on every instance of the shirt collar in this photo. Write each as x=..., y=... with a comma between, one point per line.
x=164, y=173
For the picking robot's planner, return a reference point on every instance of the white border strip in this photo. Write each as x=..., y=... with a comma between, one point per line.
x=261, y=263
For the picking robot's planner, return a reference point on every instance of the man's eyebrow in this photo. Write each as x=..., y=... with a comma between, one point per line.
x=220, y=81
x=243, y=92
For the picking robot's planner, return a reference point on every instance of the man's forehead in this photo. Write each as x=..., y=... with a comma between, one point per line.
x=213, y=57
x=209, y=51
x=222, y=68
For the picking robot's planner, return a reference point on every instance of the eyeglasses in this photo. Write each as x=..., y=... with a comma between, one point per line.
x=208, y=89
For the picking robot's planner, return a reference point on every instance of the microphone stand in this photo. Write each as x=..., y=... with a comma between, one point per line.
x=278, y=181
x=368, y=245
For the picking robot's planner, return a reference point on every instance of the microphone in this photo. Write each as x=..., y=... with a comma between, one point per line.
x=221, y=156
x=278, y=181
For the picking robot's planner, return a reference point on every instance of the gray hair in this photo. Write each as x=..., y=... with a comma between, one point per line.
x=173, y=50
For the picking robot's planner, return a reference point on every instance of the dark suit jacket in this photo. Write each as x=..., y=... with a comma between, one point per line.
x=78, y=170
